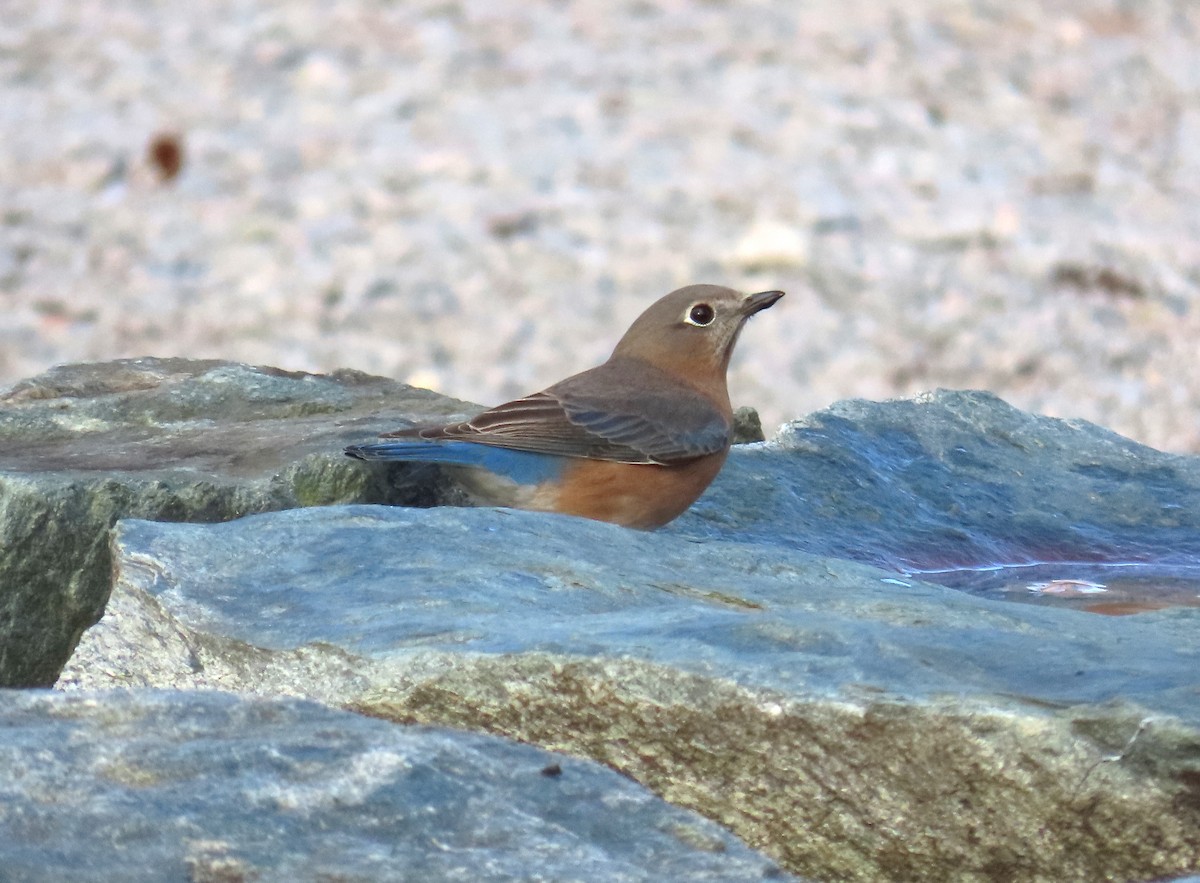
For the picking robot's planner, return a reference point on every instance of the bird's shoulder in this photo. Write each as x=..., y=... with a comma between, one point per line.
x=631, y=386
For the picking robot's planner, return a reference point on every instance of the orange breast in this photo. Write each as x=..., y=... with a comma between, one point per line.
x=632, y=495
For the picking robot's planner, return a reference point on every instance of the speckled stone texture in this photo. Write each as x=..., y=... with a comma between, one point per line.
x=124, y=787
x=479, y=196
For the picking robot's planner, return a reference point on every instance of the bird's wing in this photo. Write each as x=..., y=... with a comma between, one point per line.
x=606, y=413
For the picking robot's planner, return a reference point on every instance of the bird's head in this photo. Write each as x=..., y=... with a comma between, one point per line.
x=691, y=332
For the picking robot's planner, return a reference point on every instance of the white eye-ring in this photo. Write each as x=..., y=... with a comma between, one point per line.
x=700, y=315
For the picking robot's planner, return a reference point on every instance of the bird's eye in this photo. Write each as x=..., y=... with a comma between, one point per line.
x=701, y=315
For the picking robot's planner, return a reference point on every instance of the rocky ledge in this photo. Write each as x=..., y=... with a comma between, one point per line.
x=789, y=659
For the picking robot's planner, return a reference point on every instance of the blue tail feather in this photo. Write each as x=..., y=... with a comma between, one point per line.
x=523, y=467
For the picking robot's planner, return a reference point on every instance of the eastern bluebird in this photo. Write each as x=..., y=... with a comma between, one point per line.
x=634, y=441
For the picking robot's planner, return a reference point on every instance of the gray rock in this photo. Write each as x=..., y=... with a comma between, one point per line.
x=168, y=439
x=955, y=479
x=153, y=786
x=772, y=658
x=856, y=725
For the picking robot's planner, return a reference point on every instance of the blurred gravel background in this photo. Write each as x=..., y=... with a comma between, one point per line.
x=479, y=195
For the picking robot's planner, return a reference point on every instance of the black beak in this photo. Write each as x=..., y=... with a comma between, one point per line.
x=756, y=303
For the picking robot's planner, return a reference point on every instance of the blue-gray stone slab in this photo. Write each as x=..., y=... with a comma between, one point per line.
x=853, y=723
x=125, y=787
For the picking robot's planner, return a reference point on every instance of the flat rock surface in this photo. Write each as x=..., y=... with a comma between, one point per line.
x=222, y=420
x=378, y=582
x=479, y=197
x=854, y=725
x=151, y=786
